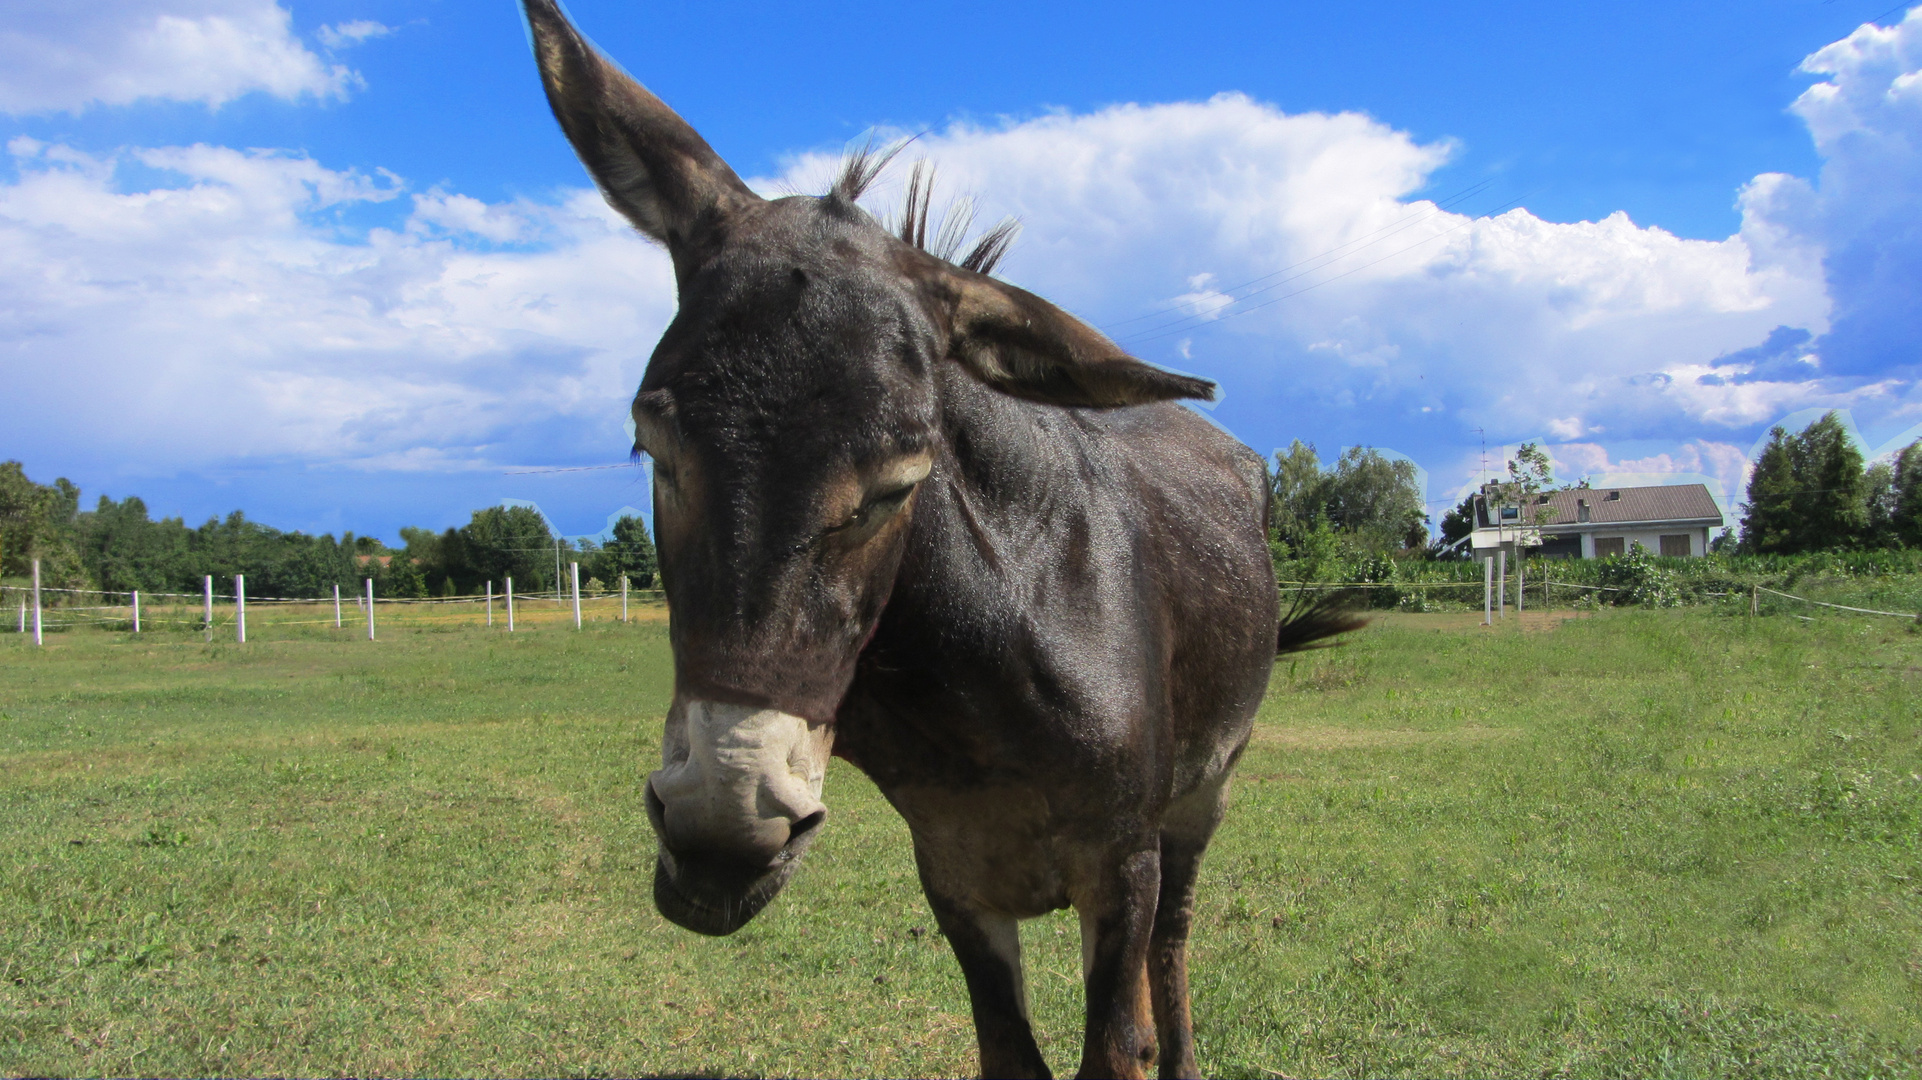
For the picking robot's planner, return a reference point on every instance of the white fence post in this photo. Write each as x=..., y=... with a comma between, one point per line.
x=510, y=604
x=1501, y=583
x=1488, y=590
x=370, y=609
x=490, y=603
x=623, y=597
x=574, y=572
x=38, y=637
x=207, y=619
x=136, y=611
x=23, y=615
x=240, y=608
x=1521, y=581
x=337, y=623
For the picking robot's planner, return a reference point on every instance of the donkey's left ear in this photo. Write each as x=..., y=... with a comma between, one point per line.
x=1022, y=345
x=649, y=163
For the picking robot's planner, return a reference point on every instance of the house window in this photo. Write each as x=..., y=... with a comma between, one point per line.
x=1610, y=545
x=1561, y=546
x=1676, y=545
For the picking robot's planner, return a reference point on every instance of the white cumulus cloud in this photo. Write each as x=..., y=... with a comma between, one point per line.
x=353, y=32
x=227, y=311
x=224, y=315
x=67, y=56
x=1862, y=216
x=1257, y=245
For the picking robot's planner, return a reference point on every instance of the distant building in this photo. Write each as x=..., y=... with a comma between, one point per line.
x=1592, y=523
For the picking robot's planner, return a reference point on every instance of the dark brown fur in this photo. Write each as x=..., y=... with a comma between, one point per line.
x=1046, y=649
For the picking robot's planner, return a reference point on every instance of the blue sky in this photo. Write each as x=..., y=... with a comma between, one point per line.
x=332, y=263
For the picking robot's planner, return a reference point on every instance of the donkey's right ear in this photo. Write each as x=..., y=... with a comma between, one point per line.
x=650, y=165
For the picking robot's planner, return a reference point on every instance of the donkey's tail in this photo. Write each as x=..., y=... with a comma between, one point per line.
x=1313, y=619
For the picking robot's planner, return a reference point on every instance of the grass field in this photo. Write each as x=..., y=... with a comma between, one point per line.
x=1640, y=843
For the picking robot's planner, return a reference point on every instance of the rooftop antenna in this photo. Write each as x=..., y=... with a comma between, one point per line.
x=1484, y=436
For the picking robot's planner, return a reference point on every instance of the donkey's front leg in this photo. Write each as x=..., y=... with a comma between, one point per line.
x=988, y=947
x=1117, y=919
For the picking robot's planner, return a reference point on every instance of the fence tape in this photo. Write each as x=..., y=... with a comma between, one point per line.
x=1300, y=586
x=81, y=615
x=1916, y=615
x=228, y=600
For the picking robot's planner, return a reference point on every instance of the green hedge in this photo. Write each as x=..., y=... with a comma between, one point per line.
x=1884, y=580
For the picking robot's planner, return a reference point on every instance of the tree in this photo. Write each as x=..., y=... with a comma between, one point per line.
x=630, y=552
x=38, y=521
x=1905, y=491
x=1530, y=472
x=1838, y=489
x=444, y=561
x=125, y=550
x=398, y=576
x=510, y=541
x=1378, y=498
x=1809, y=492
x=276, y=563
x=1878, y=484
x=1457, y=523
x=1368, y=497
x=1299, y=494
x=1767, y=524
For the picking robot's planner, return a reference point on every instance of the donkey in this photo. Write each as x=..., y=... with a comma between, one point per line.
x=919, y=518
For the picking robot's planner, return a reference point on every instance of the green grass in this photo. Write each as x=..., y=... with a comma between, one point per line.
x=1647, y=843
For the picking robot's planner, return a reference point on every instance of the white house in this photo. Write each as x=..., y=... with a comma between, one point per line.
x=1590, y=523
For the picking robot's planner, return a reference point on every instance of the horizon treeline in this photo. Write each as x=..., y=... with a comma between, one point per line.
x=1367, y=496
x=1812, y=491
x=118, y=547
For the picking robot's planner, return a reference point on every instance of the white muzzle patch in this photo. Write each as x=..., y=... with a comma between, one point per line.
x=737, y=779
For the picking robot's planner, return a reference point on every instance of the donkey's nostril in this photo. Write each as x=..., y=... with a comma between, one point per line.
x=656, y=809
x=800, y=835
x=746, y=795
x=806, y=825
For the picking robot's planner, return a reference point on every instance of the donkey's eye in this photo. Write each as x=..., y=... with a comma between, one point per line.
x=876, y=509
x=888, y=501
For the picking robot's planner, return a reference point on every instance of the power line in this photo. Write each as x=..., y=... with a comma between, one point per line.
x=1891, y=11
x=571, y=468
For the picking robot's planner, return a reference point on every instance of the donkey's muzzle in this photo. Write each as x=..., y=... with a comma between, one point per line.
x=717, y=893
x=735, y=805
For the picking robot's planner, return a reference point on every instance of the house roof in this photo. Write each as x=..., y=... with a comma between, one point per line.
x=1623, y=505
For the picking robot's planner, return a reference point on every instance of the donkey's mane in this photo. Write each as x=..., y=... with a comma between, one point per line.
x=862, y=167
